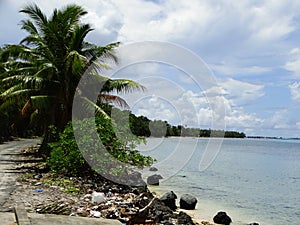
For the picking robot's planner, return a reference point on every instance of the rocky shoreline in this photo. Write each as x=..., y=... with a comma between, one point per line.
x=44, y=192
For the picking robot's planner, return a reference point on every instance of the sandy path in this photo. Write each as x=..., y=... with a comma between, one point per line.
x=9, y=157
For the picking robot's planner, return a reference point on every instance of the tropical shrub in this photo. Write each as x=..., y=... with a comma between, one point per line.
x=66, y=158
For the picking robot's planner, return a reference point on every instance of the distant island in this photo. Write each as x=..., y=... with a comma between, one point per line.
x=143, y=126
x=269, y=137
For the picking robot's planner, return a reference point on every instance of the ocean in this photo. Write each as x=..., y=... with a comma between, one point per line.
x=253, y=180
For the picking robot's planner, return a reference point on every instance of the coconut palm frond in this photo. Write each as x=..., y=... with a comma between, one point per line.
x=88, y=104
x=9, y=91
x=107, y=98
x=28, y=26
x=17, y=92
x=45, y=70
x=78, y=36
x=33, y=39
x=121, y=85
x=102, y=52
x=76, y=62
x=44, y=102
x=36, y=14
x=72, y=13
x=16, y=52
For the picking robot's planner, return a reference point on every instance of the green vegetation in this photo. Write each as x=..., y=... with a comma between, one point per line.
x=142, y=126
x=72, y=190
x=66, y=158
x=67, y=185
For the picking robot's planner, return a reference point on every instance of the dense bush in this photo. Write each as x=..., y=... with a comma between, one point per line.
x=66, y=158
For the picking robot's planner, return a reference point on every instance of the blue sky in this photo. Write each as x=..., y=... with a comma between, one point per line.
x=251, y=47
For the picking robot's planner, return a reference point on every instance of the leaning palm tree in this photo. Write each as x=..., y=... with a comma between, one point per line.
x=43, y=71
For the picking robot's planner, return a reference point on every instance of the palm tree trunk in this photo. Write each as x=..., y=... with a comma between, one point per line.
x=45, y=150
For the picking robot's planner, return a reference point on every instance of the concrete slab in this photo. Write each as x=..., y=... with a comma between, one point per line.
x=48, y=219
x=21, y=215
x=7, y=218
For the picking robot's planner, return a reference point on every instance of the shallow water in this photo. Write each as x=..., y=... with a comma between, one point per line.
x=250, y=179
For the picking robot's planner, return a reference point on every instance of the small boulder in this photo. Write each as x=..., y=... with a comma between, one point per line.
x=135, y=179
x=222, y=218
x=185, y=219
x=153, y=169
x=188, y=202
x=254, y=223
x=169, y=199
x=154, y=179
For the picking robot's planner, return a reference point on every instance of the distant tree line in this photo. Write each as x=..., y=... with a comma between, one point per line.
x=143, y=126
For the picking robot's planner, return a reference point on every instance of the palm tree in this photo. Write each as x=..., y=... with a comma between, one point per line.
x=43, y=71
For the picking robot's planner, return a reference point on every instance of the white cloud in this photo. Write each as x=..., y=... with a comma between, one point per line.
x=295, y=91
x=269, y=23
x=215, y=28
x=238, y=70
x=155, y=107
x=238, y=92
x=238, y=119
x=212, y=108
x=284, y=122
x=295, y=51
x=294, y=66
x=280, y=120
x=107, y=21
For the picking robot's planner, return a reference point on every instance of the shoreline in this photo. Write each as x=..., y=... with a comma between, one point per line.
x=205, y=210
x=197, y=214
x=35, y=201
x=43, y=192
x=40, y=190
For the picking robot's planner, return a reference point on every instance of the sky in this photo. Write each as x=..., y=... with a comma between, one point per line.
x=249, y=48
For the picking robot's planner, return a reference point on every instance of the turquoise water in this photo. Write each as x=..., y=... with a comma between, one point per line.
x=250, y=179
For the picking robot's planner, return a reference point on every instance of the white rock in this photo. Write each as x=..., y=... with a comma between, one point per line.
x=95, y=214
x=98, y=197
x=80, y=210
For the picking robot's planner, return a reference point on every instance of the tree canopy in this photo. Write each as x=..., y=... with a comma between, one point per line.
x=39, y=76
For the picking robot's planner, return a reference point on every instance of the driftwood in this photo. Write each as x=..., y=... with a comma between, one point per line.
x=140, y=217
x=148, y=206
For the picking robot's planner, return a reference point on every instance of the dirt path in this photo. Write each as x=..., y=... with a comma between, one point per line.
x=9, y=157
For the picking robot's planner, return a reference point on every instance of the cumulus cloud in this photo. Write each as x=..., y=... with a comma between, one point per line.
x=221, y=29
x=238, y=118
x=242, y=92
x=238, y=92
x=294, y=66
x=295, y=91
x=157, y=108
x=217, y=107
